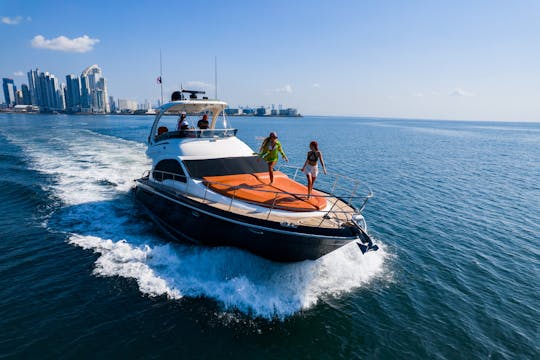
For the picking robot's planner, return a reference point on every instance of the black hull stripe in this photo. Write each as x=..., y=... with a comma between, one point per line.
x=285, y=232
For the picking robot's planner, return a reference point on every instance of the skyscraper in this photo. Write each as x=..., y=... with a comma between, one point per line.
x=19, y=98
x=112, y=104
x=73, y=93
x=33, y=85
x=46, y=84
x=60, y=98
x=10, y=91
x=101, y=98
x=86, y=98
x=26, y=95
x=94, y=90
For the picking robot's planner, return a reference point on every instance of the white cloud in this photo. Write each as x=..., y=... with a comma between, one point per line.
x=15, y=20
x=195, y=84
x=460, y=92
x=287, y=89
x=11, y=21
x=81, y=44
x=18, y=73
x=417, y=94
x=316, y=85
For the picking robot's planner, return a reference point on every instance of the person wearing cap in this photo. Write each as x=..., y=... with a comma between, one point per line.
x=182, y=122
x=203, y=122
x=269, y=152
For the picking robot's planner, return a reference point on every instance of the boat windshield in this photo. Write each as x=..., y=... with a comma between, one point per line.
x=192, y=126
x=225, y=166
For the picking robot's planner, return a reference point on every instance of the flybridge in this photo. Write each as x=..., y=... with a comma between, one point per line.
x=189, y=110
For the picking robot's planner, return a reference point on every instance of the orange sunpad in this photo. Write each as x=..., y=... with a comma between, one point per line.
x=255, y=188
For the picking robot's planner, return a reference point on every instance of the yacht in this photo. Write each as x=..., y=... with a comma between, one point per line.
x=208, y=187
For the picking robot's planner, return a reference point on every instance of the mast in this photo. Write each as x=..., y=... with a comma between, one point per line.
x=161, y=76
x=215, y=77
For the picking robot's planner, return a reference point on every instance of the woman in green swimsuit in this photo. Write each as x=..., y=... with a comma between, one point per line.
x=269, y=152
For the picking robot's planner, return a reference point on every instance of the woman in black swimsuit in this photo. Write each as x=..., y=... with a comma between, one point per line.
x=310, y=167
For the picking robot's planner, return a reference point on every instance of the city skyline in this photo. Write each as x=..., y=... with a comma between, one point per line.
x=88, y=94
x=439, y=60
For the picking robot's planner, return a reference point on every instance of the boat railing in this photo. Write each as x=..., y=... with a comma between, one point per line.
x=350, y=198
x=334, y=183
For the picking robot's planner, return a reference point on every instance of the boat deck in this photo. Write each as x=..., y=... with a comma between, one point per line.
x=283, y=197
x=284, y=193
x=340, y=213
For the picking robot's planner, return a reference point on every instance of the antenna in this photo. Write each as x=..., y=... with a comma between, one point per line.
x=161, y=76
x=215, y=76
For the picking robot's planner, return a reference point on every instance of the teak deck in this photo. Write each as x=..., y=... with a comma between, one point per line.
x=340, y=214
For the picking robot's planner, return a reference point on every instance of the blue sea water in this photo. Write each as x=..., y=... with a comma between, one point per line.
x=456, y=212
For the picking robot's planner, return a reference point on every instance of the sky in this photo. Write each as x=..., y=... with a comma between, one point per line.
x=455, y=59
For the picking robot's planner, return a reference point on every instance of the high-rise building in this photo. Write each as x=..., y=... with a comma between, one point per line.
x=19, y=97
x=34, y=87
x=73, y=93
x=46, y=83
x=112, y=104
x=60, y=99
x=101, y=98
x=86, y=98
x=94, y=90
x=26, y=95
x=10, y=91
x=125, y=104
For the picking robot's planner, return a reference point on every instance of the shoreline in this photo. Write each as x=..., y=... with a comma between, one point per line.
x=133, y=113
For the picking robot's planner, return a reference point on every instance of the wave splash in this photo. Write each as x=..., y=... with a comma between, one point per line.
x=237, y=279
x=93, y=174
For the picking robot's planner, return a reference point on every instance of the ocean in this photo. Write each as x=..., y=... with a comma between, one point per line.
x=84, y=273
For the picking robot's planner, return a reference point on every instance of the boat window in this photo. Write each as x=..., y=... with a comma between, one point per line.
x=225, y=166
x=169, y=169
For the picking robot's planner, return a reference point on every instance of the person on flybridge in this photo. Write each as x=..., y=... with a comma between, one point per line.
x=183, y=122
x=203, y=122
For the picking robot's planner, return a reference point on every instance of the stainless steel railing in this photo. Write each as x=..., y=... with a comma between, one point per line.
x=347, y=185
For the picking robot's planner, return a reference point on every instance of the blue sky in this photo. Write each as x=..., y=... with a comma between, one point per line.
x=466, y=60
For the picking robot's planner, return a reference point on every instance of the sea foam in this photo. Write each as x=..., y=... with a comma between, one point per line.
x=237, y=279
